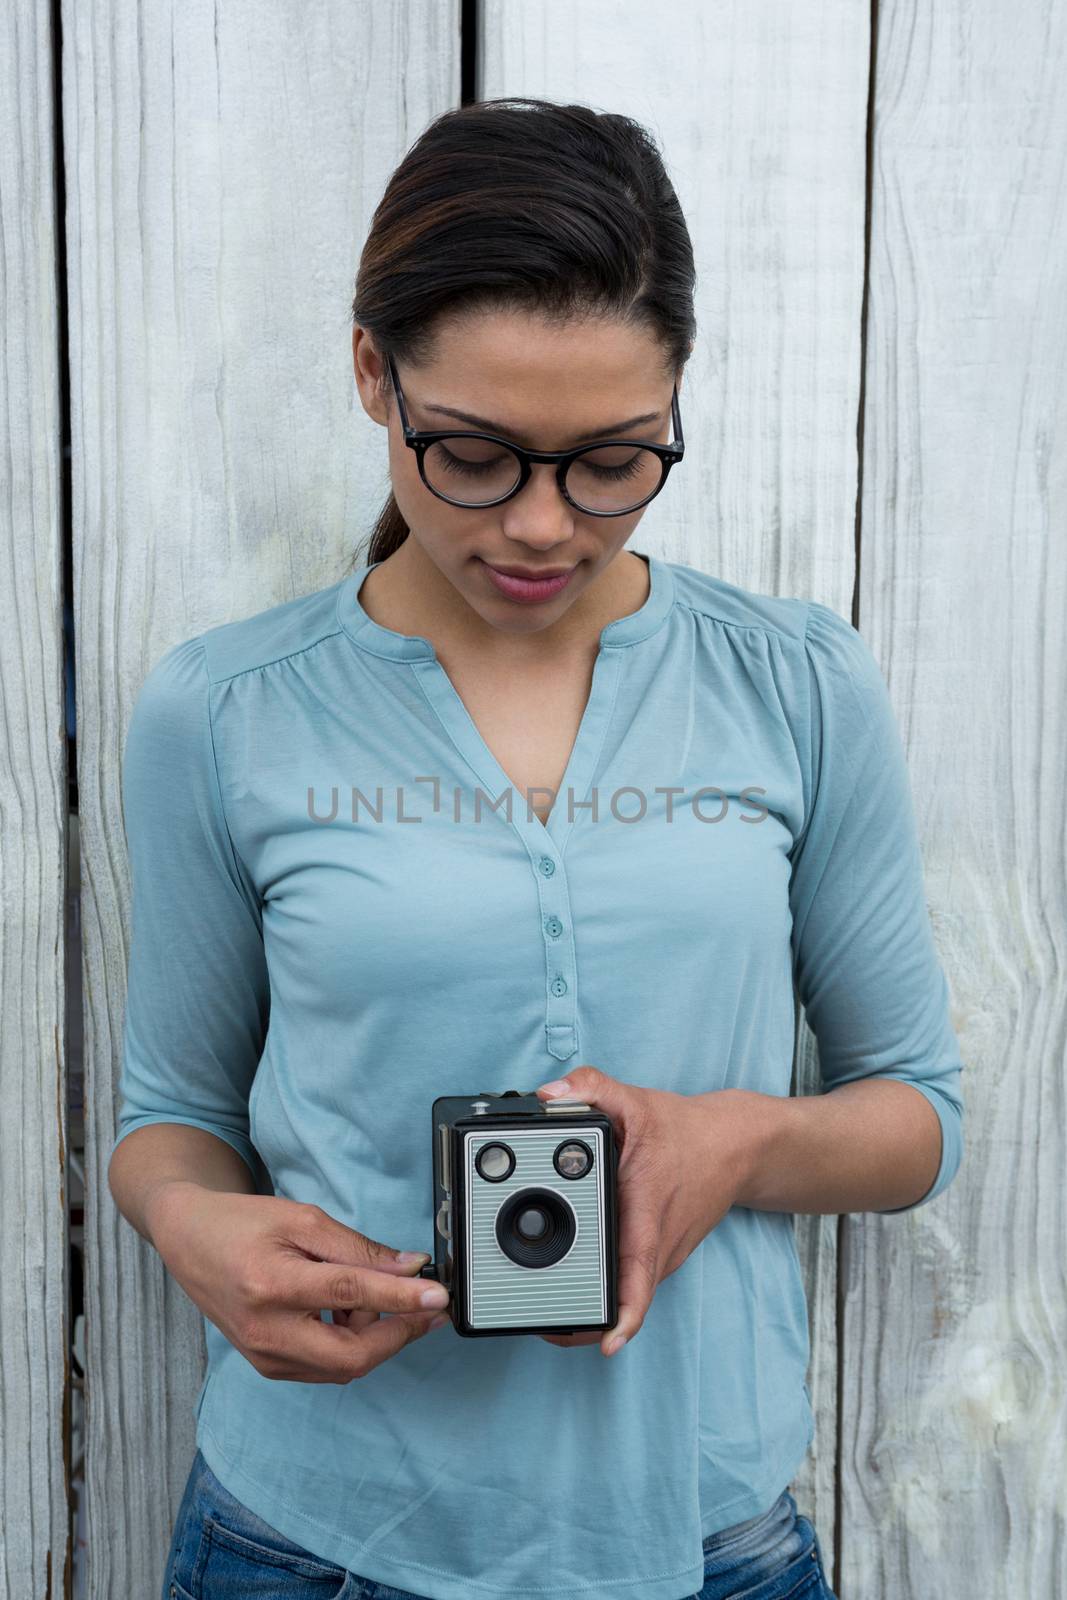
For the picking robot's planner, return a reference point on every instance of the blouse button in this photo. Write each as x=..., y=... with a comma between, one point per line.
x=559, y=986
x=553, y=927
x=547, y=866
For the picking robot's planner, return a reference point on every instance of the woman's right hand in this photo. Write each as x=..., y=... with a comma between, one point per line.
x=262, y=1268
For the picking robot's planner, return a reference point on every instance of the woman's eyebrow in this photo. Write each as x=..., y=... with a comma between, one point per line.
x=609, y=432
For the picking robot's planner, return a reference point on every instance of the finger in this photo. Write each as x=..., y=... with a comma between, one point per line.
x=638, y=1270
x=307, y=1350
x=358, y=1320
x=384, y=1338
x=310, y=1285
x=353, y=1319
x=324, y=1237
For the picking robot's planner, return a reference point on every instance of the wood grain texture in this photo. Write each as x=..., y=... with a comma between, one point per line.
x=760, y=111
x=954, y=1477
x=223, y=164
x=35, y=1397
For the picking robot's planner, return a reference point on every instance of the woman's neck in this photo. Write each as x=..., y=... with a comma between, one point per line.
x=408, y=593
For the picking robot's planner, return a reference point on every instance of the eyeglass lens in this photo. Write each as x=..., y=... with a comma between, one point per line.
x=606, y=478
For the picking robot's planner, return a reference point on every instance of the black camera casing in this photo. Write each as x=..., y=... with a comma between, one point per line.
x=532, y=1248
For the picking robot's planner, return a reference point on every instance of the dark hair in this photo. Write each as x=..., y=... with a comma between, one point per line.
x=523, y=204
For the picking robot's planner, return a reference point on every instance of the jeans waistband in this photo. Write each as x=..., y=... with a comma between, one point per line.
x=758, y=1534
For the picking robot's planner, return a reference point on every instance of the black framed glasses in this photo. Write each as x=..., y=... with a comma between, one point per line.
x=606, y=479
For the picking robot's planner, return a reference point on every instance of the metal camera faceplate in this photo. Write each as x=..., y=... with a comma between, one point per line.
x=504, y=1293
x=534, y=1234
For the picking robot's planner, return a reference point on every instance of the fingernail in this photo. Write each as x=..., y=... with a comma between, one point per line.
x=435, y=1295
x=615, y=1344
x=560, y=1086
x=406, y=1257
x=439, y=1322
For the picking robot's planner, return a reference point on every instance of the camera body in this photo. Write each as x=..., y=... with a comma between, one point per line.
x=525, y=1210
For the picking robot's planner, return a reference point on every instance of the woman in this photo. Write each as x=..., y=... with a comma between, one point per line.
x=344, y=907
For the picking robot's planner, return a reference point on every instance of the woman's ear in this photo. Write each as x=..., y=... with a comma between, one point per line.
x=369, y=368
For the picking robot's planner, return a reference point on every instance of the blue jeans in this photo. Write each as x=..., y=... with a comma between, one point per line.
x=222, y=1551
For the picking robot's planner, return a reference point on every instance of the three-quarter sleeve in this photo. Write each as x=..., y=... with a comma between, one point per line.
x=865, y=964
x=198, y=996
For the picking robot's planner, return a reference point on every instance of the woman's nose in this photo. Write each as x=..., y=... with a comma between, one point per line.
x=538, y=515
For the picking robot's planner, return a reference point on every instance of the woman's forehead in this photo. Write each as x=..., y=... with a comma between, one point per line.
x=522, y=377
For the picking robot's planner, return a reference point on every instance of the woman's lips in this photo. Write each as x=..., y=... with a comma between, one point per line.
x=528, y=589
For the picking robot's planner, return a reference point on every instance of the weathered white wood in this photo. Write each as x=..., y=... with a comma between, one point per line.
x=35, y=1495
x=222, y=166
x=954, y=1461
x=760, y=111
x=217, y=199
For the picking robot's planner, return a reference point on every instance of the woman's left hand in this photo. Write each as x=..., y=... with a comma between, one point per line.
x=682, y=1158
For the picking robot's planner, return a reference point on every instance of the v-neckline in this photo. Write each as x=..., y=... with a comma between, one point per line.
x=452, y=711
x=577, y=776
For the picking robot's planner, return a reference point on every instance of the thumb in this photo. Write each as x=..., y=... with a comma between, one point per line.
x=590, y=1085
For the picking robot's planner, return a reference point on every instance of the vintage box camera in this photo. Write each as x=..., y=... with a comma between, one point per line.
x=525, y=1214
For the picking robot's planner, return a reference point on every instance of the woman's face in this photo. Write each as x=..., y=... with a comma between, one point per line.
x=549, y=387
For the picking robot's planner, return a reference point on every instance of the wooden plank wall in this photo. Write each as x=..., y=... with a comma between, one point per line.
x=874, y=418
x=35, y=1334
x=761, y=113
x=953, y=1457
x=223, y=163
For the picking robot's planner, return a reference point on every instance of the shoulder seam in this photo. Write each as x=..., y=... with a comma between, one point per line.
x=240, y=866
x=750, y=627
x=809, y=809
x=853, y=766
x=273, y=661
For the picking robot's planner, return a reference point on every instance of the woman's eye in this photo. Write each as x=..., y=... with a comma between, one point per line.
x=464, y=468
x=628, y=469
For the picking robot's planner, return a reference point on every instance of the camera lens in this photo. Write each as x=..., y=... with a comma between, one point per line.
x=531, y=1224
x=536, y=1227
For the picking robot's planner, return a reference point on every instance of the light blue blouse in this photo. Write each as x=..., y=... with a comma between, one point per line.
x=341, y=910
